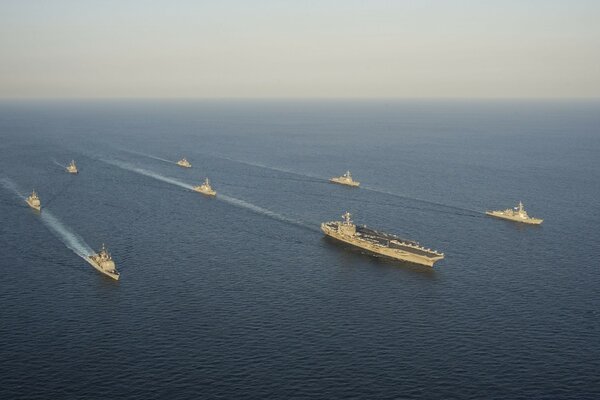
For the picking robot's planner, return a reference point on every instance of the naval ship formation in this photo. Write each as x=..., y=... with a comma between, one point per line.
x=518, y=214
x=345, y=231
x=380, y=243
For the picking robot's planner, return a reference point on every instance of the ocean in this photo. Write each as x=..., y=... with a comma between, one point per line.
x=241, y=296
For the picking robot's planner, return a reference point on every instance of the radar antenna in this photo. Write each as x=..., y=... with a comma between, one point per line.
x=347, y=220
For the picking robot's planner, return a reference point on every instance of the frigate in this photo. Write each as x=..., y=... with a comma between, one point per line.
x=184, y=163
x=34, y=201
x=205, y=188
x=104, y=263
x=380, y=243
x=72, y=168
x=345, y=179
x=517, y=214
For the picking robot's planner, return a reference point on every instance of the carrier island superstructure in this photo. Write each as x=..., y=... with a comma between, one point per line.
x=518, y=214
x=380, y=243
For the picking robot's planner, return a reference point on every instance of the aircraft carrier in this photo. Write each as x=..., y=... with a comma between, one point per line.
x=380, y=243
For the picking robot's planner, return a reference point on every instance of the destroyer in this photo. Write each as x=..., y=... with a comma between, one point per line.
x=380, y=243
x=205, y=188
x=345, y=179
x=184, y=163
x=72, y=168
x=34, y=201
x=104, y=263
x=518, y=214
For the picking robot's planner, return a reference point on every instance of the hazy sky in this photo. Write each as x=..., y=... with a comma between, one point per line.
x=285, y=48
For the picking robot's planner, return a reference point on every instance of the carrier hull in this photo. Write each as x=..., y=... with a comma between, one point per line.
x=375, y=248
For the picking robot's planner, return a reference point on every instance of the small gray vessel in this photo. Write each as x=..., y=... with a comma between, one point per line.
x=72, y=168
x=345, y=179
x=34, y=201
x=518, y=214
x=104, y=263
x=205, y=188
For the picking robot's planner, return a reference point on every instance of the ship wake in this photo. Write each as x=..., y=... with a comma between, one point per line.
x=151, y=156
x=68, y=237
x=277, y=169
x=434, y=203
x=150, y=174
x=263, y=211
x=59, y=164
x=222, y=197
x=12, y=187
x=315, y=178
x=64, y=234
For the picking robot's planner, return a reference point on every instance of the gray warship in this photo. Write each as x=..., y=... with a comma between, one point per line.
x=345, y=179
x=184, y=163
x=34, y=201
x=72, y=168
x=518, y=214
x=380, y=243
x=205, y=188
x=104, y=263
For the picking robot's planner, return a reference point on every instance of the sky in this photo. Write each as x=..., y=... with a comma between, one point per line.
x=299, y=49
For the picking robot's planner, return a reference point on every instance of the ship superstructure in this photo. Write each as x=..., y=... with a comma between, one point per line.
x=517, y=214
x=34, y=201
x=345, y=179
x=205, y=188
x=184, y=163
x=104, y=263
x=380, y=243
x=72, y=168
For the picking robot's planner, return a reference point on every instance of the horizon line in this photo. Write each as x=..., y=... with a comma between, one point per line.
x=293, y=98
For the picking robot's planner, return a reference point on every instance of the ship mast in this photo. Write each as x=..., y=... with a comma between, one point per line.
x=347, y=220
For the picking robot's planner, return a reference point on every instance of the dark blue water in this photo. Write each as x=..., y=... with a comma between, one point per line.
x=242, y=297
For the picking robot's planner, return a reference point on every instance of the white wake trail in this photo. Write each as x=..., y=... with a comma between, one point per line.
x=11, y=186
x=59, y=164
x=278, y=169
x=435, y=203
x=263, y=211
x=150, y=156
x=68, y=237
x=222, y=197
x=64, y=234
x=145, y=172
